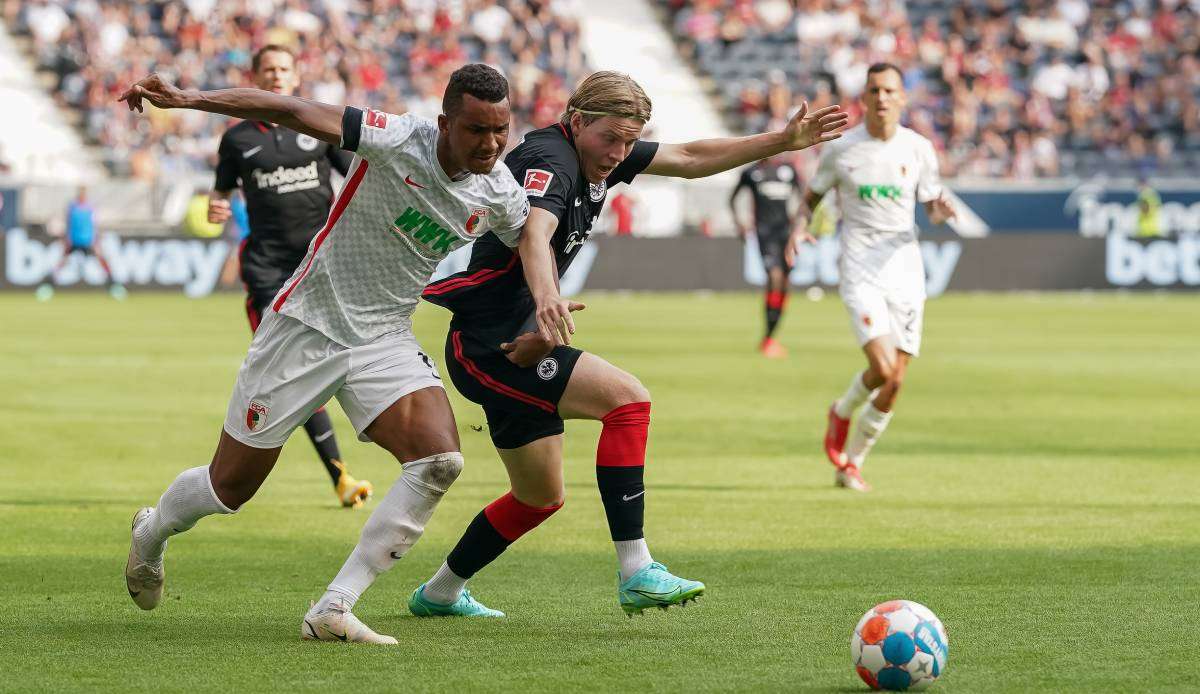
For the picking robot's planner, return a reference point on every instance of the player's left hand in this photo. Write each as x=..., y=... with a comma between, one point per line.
x=808, y=129
x=527, y=350
x=941, y=210
x=554, y=319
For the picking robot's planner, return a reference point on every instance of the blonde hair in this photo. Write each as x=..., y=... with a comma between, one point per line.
x=609, y=93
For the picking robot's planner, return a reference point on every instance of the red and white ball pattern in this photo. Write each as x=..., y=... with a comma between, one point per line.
x=899, y=645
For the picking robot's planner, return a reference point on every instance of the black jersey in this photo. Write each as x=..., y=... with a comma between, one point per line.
x=491, y=297
x=772, y=185
x=285, y=177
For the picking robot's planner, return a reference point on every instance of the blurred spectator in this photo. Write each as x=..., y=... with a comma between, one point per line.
x=394, y=55
x=1014, y=88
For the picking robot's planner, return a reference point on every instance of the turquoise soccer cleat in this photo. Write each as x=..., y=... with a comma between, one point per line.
x=654, y=586
x=465, y=606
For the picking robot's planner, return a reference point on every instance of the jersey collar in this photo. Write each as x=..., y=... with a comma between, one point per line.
x=265, y=127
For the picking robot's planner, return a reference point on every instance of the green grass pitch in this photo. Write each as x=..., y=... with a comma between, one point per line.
x=1037, y=489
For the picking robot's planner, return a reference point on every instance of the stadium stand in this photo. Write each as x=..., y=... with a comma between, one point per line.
x=391, y=54
x=1012, y=89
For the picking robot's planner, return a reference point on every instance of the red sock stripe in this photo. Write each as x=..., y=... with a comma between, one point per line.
x=512, y=519
x=623, y=438
x=347, y=193
x=776, y=300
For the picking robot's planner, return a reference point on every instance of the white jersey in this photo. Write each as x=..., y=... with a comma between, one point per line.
x=878, y=185
x=397, y=216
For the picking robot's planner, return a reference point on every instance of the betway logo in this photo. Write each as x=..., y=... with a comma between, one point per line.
x=287, y=180
x=1162, y=262
x=425, y=231
x=192, y=264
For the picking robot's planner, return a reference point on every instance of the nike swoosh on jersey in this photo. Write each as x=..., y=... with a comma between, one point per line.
x=414, y=184
x=251, y=152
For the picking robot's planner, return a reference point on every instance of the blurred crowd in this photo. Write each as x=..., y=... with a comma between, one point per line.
x=1004, y=88
x=392, y=55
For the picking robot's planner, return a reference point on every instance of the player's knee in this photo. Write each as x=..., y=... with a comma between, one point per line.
x=434, y=474
x=629, y=390
x=549, y=498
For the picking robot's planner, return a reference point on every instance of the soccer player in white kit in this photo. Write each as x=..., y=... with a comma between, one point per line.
x=341, y=326
x=880, y=170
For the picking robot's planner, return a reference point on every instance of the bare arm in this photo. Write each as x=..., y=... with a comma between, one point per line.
x=322, y=121
x=707, y=157
x=800, y=234
x=553, y=313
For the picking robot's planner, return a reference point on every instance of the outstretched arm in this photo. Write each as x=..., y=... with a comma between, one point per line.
x=707, y=157
x=322, y=121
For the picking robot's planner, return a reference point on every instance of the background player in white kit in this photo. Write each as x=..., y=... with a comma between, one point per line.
x=341, y=325
x=880, y=170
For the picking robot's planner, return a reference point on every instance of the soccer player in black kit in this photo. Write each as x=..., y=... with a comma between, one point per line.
x=285, y=176
x=773, y=184
x=507, y=348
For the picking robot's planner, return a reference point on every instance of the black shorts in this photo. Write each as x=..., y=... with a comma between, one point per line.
x=521, y=404
x=771, y=244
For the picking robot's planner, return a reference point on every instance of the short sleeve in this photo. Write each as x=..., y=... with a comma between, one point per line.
x=929, y=185
x=637, y=161
x=826, y=175
x=375, y=135
x=227, y=165
x=743, y=180
x=511, y=217
x=543, y=184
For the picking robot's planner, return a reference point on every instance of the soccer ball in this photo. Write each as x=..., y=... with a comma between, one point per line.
x=899, y=645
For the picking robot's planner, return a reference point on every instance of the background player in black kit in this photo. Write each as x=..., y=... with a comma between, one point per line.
x=508, y=344
x=285, y=176
x=773, y=185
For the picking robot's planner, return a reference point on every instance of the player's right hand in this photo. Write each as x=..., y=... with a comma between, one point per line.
x=527, y=350
x=219, y=211
x=154, y=89
x=799, y=237
x=554, y=319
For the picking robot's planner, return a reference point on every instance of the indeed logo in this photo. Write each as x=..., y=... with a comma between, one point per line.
x=287, y=180
x=1162, y=262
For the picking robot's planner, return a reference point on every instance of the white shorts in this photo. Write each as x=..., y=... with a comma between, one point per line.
x=292, y=370
x=876, y=313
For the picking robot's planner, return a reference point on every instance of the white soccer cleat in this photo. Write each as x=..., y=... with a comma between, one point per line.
x=336, y=624
x=144, y=581
x=849, y=477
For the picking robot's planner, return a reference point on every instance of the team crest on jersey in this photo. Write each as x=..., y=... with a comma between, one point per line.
x=477, y=221
x=547, y=368
x=375, y=119
x=866, y=320
x=256, y=415
x=307, y=142
x=596, y=191
x=903, y=171
x=537, y=182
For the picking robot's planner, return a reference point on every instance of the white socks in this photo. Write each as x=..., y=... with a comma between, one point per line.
x=445, y=586
x=853, y=398
x=867, y=429
x=189, y=498
x=395, y=525
x=633, y=556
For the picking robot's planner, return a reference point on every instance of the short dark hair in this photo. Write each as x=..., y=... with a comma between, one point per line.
x=884, y=67
x=270, y=48
x=478, y=80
